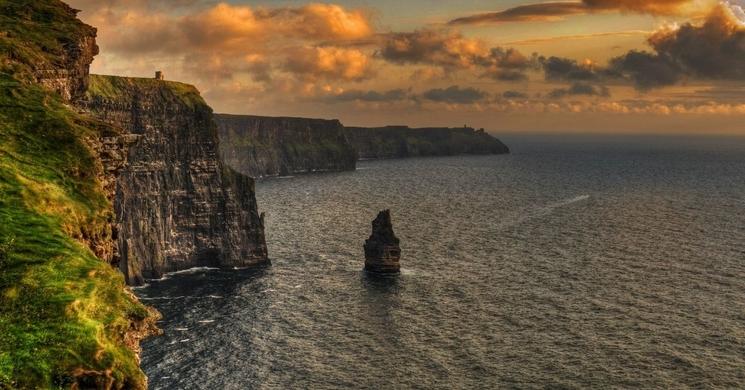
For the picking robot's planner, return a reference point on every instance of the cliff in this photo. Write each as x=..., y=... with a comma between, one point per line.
x=266, y=146
x=270, y=146
x=177, y=206
x=402, y=141
x=66, y=317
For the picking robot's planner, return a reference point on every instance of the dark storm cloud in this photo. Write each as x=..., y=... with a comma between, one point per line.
x=566, y=69
x=456, y=95
x=579, y=89
x=451, y=50
x=369, y=96
x=714, y=50
x=647, y=70
x=506, y=75
x=514, y=95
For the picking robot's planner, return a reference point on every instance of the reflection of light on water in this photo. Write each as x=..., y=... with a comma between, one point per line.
x=736, y=6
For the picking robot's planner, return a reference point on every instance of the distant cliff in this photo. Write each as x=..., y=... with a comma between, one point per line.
x=177, y=205
x=267, y=146
x=402, y=141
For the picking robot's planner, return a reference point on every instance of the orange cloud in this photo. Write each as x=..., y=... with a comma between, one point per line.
x=217, y=42
x=451, y=50
x=557, y=10
x=329, y=62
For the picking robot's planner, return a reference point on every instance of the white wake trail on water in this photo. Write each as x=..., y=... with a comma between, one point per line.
x=542, y=211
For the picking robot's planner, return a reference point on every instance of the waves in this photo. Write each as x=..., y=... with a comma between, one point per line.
x=547, y=268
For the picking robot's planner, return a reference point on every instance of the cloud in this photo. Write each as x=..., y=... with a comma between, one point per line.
x=647, y=70
x=216, y=42
x=557, y=10
x=714, y=50
x=514, y=95
x=566, y=69
x=455, y=95
x=655, y=7
x=579, y=89
x=329, y=62
x=551, y=11
x=505, y=75
x=452, y=51
x=369, y=96
x=443, y=48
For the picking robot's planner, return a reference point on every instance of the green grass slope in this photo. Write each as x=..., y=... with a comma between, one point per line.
x=123, y=89
x=65, y=315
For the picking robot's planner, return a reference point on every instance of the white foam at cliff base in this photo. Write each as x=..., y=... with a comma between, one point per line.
x=192, y=270
x=186, y=271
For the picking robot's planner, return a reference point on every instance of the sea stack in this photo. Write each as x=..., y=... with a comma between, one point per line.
x=382, y=250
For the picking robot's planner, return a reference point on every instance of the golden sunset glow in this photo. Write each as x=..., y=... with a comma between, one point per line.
x=486, y=63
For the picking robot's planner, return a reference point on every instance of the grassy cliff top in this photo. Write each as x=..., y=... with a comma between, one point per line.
x=64, y=313
x=115, y=88
x=34, y=33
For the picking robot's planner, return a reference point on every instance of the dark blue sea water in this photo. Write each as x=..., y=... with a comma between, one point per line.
x=574, y=262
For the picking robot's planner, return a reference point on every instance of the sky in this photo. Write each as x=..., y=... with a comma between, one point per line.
x=509, y=66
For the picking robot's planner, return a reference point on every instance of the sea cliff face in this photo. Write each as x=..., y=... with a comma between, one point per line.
x=270, y=146
x=177, y=205
x=402, y=141
x=266, y=146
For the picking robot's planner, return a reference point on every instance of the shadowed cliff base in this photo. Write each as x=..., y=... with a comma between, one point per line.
x=273, y=146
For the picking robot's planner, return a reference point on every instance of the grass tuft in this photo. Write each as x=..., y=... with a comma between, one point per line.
x=63, y=311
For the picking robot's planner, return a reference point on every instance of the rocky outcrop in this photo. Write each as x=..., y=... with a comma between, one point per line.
x=59, y=57
x=402, y=141
x=177, y=205
x=382, y=249
x=266, y=146
x=70, y=77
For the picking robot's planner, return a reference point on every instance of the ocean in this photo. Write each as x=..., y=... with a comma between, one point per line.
x=576, y=261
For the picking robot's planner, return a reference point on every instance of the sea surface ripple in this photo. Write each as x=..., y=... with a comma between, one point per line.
x=574, y=262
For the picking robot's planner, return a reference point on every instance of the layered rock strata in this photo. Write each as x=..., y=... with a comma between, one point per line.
x=271, y=146
x=177, y=205
x=402, y=141
x=266, y=146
